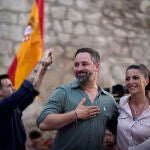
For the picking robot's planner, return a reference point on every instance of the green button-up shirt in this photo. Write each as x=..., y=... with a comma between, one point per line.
x=85, y=134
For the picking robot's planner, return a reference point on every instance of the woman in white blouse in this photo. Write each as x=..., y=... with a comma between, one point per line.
x=133, y=129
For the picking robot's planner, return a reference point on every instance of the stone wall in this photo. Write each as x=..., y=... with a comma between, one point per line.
x=118, y=29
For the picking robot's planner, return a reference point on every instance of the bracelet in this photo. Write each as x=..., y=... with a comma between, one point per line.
x=76, y=116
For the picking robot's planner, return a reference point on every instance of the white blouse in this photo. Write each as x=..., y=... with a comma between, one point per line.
x=131, y=132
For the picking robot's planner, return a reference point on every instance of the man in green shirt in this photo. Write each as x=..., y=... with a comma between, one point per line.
x=81, y=110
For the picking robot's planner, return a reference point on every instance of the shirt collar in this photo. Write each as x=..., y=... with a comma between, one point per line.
x=75, y=84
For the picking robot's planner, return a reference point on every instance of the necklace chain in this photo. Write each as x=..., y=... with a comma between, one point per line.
x=136, y=113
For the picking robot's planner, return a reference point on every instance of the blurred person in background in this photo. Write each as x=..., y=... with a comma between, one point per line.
x=109, y=142
x=36, y=141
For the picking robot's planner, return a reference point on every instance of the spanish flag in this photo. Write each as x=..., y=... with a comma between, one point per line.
x=31, y=48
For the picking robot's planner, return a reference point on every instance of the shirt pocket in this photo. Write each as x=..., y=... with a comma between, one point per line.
x=123, y=123
x=123, y=120
x=123, y=115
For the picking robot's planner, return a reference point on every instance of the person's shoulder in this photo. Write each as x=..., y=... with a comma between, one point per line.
x=107, y=93
x=73, y=84
x=124, y=99
x=109, y=97
x=65, y=86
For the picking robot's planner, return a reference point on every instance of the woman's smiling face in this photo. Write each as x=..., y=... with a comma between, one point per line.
x=135, y=81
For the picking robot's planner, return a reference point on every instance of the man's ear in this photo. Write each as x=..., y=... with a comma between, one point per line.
x=97, y=67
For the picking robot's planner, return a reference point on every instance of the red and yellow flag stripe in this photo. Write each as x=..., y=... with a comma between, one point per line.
x=31, y=48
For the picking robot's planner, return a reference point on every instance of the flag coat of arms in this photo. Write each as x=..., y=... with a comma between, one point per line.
x=31, y=48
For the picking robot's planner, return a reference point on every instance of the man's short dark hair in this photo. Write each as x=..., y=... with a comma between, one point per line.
x=94, y=54
x=3, y=76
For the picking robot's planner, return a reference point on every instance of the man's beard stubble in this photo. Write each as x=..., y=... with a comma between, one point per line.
x=83, y=78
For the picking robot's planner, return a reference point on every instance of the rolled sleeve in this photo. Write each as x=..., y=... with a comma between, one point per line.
x=54, y=105
x=29, y=86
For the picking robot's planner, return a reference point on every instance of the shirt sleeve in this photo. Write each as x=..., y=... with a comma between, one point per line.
x=54, y=105
x=29, y=94
x=21, y=98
